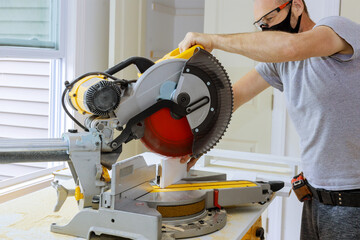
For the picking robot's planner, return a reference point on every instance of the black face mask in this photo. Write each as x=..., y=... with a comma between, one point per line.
x=285, y=25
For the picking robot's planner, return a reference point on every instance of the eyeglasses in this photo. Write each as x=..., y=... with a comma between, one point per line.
x=263, y=21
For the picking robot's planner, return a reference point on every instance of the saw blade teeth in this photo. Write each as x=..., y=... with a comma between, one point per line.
x=218, y=74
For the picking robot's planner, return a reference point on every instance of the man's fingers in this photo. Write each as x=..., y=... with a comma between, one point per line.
x=191, y=163
x=184, y=159
x=188, y=42
x=183, y=46
x=192, y=38
x=180, y=47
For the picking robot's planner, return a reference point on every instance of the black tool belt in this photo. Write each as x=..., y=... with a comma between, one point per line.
x=350, y=198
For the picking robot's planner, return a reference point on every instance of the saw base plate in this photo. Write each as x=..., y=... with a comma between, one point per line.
x=209, y=221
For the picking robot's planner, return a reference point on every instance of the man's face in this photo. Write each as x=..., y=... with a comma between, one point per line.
x=262, y=7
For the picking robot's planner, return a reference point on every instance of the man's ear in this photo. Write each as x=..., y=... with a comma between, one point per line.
x=298, y=7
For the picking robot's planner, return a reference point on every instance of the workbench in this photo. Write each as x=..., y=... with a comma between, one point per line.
x=29, y=217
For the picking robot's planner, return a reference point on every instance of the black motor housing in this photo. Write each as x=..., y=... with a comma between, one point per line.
x=103, y=98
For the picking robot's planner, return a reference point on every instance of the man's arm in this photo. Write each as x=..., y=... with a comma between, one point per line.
x=273, y=46
x=244, y=90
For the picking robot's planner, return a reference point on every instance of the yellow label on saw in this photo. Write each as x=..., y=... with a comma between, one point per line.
x=204, y=186
x=188, y=53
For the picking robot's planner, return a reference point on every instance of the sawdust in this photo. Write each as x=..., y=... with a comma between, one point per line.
x=30, y=217
x=35, y=233
x=9, y=219
x=4, y=237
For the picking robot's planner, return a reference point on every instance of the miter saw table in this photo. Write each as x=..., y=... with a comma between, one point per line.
x=21, y=221
x=30, y=216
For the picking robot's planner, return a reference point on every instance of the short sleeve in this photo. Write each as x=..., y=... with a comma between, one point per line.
x=347, y=30
x=269, y=72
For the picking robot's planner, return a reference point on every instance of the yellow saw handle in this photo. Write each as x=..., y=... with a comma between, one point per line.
x=188, y=53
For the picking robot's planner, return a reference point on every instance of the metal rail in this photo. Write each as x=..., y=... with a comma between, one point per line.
x=33, y=150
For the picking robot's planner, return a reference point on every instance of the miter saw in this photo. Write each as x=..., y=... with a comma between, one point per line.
x=180, y=105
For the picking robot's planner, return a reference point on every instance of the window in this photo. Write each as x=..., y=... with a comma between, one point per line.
x=26, y=23
x=31, y=77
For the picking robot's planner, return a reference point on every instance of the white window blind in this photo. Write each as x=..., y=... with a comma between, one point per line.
x=26, y=23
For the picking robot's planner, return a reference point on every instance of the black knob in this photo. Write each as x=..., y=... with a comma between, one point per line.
x=72, y=130
x=260, y=233
x=276, y=185
x=183, y=99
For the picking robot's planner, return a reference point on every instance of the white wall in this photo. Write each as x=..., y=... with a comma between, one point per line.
x=189, y=17
x=159, y=29
x=187, y=23
x=87, y=39
x=88, y=36
x=96, y=35
x=167, y=23
x=350, y=9
x=323, y=8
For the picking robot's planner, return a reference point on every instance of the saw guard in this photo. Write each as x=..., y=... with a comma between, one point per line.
x=171, y=137
x=168, y=136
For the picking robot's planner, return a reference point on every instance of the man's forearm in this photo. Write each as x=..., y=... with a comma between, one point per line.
x=274, y=46
x=259, y=46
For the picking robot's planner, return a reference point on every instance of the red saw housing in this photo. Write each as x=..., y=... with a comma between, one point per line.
x=168, y=136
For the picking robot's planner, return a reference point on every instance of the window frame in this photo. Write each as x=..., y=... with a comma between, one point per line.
x=57, y=119
x=42, y=53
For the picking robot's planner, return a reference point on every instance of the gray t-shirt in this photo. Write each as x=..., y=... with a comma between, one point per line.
x=323, y=100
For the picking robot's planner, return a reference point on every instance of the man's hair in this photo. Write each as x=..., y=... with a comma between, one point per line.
x=305, y=7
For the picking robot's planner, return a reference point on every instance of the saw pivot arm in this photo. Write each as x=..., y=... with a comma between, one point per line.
x=141, y=63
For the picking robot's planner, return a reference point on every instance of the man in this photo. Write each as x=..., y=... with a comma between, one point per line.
x=317, y=67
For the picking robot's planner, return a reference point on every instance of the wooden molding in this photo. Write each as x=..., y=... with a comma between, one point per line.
x=22, y=189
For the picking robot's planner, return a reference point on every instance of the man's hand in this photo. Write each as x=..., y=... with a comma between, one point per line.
x=192, y=38
x=191, y=163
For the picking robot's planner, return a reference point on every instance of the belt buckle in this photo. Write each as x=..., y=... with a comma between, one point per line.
x=326, y=197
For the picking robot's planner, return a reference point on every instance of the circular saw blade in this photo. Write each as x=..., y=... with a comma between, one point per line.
x=168, y=136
